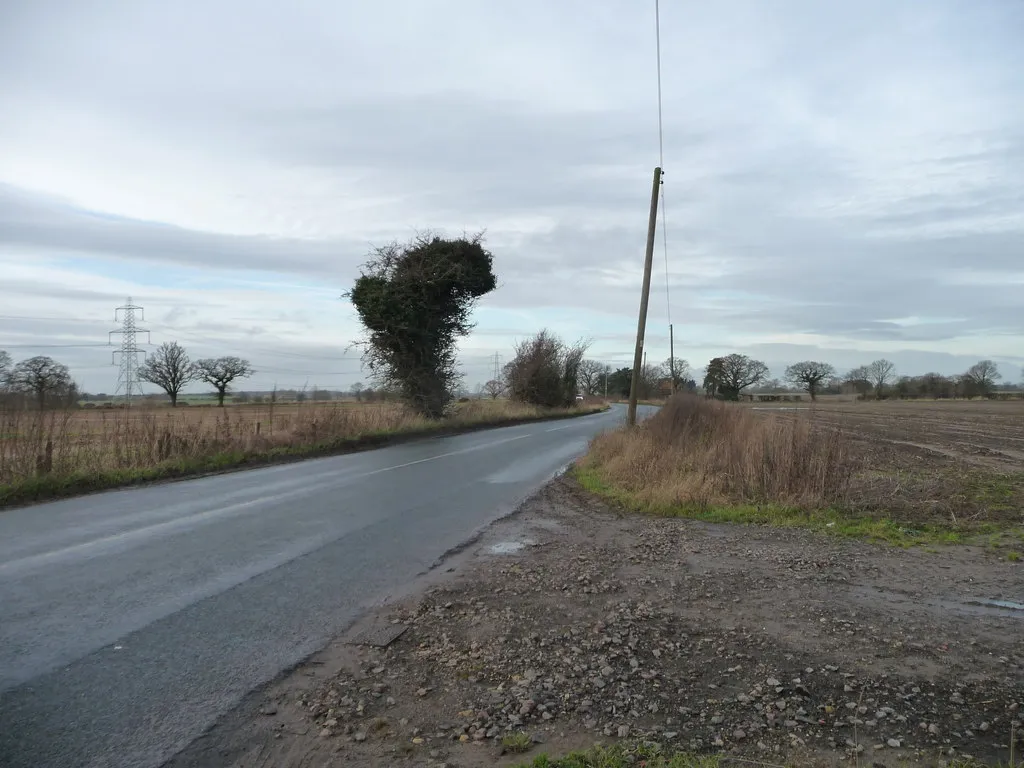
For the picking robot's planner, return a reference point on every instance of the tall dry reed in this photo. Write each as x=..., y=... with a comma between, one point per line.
x=697, y=452
x=84, y=442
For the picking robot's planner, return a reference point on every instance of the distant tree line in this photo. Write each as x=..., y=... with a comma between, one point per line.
x=544, y=360
x=599, y=379
x=170, y=368
x=42, y=382
x=730, y=377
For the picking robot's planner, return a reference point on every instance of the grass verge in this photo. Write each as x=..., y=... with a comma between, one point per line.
x=619, y=756
x=718, y=463
x=32, y=488
x=833, y=521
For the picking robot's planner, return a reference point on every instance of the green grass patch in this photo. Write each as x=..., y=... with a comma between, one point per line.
x=619, y=756
x=520, y=741
x=56, y=485
x=996, y=492
x=833, y=521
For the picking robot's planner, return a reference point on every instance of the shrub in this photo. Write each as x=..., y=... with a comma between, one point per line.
x=545, y=371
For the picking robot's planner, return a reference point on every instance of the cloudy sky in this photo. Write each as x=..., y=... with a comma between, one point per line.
x=843, y=180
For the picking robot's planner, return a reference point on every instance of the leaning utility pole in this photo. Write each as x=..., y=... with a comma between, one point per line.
x=645, y=295
x=128, y=381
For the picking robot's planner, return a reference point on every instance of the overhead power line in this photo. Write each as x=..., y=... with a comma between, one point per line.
x=51, y=346
x=664, y=215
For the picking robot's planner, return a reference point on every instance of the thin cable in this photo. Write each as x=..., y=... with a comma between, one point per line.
x=657, y=35
x=661, y=160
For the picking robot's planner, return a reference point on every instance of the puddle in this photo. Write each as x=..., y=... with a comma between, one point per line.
x=980, y=606
x=508, y=547
x=1008, y=604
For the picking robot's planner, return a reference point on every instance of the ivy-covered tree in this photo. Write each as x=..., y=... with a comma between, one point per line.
x=415, y=301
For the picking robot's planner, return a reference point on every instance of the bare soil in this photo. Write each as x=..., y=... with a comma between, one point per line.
x=987, y=434
x=573, y=624
x=948, y=462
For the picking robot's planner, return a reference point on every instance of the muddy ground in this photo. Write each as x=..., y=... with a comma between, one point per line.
x=955, y=463
x=569, y=624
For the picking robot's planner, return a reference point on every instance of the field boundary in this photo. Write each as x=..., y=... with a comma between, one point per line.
x=40, y=489
x=830, y=520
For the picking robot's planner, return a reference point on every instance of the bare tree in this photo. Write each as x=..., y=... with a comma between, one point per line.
x=809, y=375
x=494, y=388
x=5, y=369
x=859, y=380
x=983, y=376
x=591, y=376
x=651, y=379
x=43, y=378
x=169, y=368
x=220, y=372
x=727, y=377
x=681, y=368
x=880, y=373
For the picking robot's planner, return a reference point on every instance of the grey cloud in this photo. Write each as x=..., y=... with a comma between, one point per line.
x=45, y=225
x=43, y=289
x=783, y=215
x=849, y=293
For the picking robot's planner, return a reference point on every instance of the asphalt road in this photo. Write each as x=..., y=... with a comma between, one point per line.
x=131, y=620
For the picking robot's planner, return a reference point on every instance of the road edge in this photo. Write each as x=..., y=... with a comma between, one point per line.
x=228, y=735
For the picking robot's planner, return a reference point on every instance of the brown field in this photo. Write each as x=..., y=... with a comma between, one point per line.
x=960, y=462
x=79, y=446
x=988, y=434
x=954, y=466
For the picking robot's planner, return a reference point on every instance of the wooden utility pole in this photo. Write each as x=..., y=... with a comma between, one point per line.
x=645, y=295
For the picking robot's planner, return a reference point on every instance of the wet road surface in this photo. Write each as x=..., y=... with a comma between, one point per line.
x=131, y=620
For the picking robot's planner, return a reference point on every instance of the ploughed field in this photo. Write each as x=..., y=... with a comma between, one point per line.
x=934, y=461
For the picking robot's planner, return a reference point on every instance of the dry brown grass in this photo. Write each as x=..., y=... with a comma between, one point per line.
x=904, y=473
x=44, y=449
x=697, y=453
